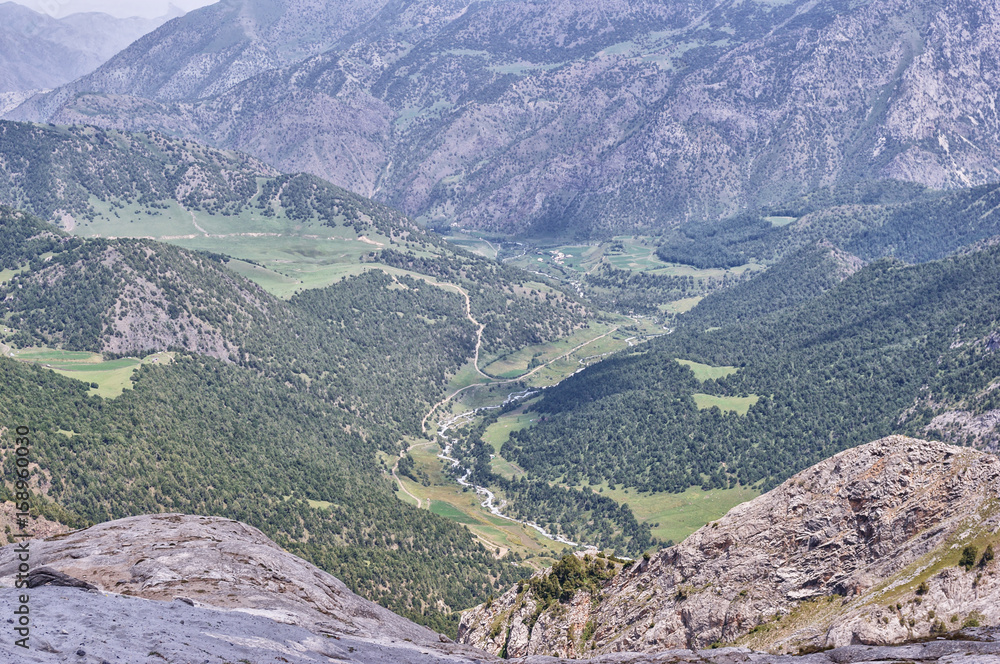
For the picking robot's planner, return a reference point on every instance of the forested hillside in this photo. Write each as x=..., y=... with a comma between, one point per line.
x=832, y=372
x=516, y=309
x=137, y=297
x=800, y=276
x=75, y=175
x=203, y=437
x=871, y=221
x=272, y=412
x=304, y=232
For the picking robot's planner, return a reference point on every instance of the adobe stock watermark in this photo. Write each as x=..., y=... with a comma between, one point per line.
x=22, y=458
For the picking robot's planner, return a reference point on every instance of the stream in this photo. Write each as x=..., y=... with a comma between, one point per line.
x=489, y=498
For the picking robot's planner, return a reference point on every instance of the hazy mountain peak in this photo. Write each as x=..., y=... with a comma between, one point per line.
x=546, y=116
x=40, y=52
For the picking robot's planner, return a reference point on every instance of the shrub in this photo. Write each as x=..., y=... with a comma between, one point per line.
x=968, y=559
x=988, y=556
x=974, y=619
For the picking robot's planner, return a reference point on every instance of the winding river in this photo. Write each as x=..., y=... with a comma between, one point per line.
x=462, y=475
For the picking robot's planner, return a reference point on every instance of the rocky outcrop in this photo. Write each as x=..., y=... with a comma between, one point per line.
x=212, y=562
x=861, y=548
x=178, y=588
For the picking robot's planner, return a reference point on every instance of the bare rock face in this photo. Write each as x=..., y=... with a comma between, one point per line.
x=238, y=597
x=862, y=548
x=212, y=562
x=524, y=114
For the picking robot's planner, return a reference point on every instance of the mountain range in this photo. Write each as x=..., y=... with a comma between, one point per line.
x=457, y=301
x=569, y=117
x=39, y=52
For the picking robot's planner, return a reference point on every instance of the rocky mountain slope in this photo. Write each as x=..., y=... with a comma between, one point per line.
x=876, y=545
x=165, y=556
x=565, y=115
x=184, y=588
x=870, y=220
x=39, y=52
x=205, y=569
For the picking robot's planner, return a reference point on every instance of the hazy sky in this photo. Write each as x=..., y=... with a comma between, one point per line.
x=122, y=8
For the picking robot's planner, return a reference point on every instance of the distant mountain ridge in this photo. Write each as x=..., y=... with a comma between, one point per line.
x=41, y=52
x=570, y=117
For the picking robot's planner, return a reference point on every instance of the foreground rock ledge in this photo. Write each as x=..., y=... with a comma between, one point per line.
x=198, y=589
x=862, y=548
x=212, y=563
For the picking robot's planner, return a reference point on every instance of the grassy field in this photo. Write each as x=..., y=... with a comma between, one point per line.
x=679, y=514
x=284, y=256
x=625, y=252
x=682, y=306
x=678, y=270
x=739, y=405
x=519, y=362
x=271, y=281
x=7, y=275
x=498, y=433
x=707, y=371
x=637, y=253
x=780, y=221
x=112, y=376
x=477, y=243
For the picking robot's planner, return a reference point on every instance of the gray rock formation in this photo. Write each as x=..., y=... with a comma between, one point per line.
x=205, y=590
x=118, y=628
x=862, y=548
x=73, y=625
x=216, y=563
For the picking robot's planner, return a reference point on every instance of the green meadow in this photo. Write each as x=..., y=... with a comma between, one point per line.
x=446, y=498
x=706, y=371
x=738, y=405
x=282, y=255
x=679, y=514
x=111, y=376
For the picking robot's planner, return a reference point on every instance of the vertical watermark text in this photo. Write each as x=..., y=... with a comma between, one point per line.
x=22, y=493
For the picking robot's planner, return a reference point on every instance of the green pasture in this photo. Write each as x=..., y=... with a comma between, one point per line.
x=679, y=514
x=112, y=376
x=679, y=270
x=499, y=432
x=282, y=255
x=519, y=362
x=7, y=275
x=683, y=305
x=780, y=221
x=706, y=371
x=738, y=405
x=446, y=498
x=638, y=253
